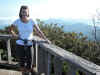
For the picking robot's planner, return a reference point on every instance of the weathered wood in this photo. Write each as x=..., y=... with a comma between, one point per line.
x=44, y=62
x=9, y=51
x=47, y=63
x=6, y=62
x=44, y=67
x=9, y=72
x=98, y=73
x=88, y=73
x=0, y=56
x=71, y=58
x=57, y=66
x=5, y=37
x=37, y=67
x=33, y=56
x=85, y=72
x=78, y=62
x=9, y=66
x=71, y=70
x=41, y=61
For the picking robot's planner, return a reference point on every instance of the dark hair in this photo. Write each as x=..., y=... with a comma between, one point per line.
x=23, y=7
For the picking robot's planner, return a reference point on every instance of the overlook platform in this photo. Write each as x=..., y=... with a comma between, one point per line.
x=49, y=59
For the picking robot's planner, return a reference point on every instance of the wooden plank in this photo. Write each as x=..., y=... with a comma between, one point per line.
x=9, y=51
x=41, y=61
x=88, y=73
x=32, y=55
x=0, y=57
x=47, y=63
x=98, y=73
x=36, y=47
x=6, y=62
x=57, y=66
x=9, y=66
x=44, y=63
x=84, y=72
x=71, y=58
x=5, y=37
x=9, y=72
x=71, y=69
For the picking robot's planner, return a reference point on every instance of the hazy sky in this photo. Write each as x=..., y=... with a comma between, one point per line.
x=50, y=8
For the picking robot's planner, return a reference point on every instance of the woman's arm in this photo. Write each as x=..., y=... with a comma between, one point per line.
x=12, y=30
x=40, y=33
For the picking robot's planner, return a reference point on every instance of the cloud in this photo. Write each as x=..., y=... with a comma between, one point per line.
x=55, y=8
x=66, y=8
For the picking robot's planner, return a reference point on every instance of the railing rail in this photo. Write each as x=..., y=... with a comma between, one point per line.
x=7, y=39
x=49, y=54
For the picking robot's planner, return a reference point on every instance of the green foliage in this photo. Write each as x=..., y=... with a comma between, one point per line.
x=70, y=41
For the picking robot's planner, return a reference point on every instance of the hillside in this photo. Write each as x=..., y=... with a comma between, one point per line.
x=70, y=25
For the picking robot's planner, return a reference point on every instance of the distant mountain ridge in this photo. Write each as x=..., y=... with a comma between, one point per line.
x=70, y=25
x=76, y=25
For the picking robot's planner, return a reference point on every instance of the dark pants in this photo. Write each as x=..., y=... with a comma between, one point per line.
x=24, y=56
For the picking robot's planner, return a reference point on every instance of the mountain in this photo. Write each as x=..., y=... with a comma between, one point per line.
x=70, y=25
x=4, y=23
x=67, y=21
x=76, y=25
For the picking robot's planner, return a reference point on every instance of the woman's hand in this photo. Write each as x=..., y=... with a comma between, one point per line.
x=14, y=35
x=12, y=28
x=48, y=41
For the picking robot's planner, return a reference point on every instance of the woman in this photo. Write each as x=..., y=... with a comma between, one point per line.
x=25, y=27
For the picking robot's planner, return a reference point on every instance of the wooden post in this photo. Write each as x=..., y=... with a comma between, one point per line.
x=41, y=61
x=75, y=61
x=32, y=54
x=44, y=62
x=89, y=73
x=57, y=66
x=36, y=46
x=9, y=51
x=72, y=70
x=98, y=73
x=0, y=57
x=47, y=63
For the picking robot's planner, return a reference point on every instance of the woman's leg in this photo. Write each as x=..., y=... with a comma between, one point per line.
x=28, y=58
x=20, y=55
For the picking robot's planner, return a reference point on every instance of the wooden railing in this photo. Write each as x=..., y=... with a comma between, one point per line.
x=51, y=60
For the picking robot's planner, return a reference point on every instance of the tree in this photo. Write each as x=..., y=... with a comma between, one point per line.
x=70, y=41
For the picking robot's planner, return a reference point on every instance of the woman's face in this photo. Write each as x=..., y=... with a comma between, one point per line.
x=24, y=13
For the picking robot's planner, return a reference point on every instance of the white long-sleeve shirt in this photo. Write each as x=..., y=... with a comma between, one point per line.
x=25, y=30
